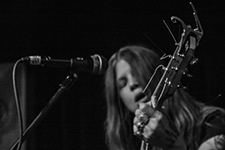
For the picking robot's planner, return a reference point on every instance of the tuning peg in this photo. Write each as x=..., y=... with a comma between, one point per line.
x=181, y=86
x=194, y=61
x=187, y=74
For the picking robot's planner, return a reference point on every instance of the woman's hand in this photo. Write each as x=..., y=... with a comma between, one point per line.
x=157, y=129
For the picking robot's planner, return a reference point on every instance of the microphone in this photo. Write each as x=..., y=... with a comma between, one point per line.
x=94, y=64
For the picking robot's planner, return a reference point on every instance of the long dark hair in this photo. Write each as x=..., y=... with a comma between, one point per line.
x=119, y=121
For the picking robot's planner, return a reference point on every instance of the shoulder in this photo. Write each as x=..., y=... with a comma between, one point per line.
x=215, y=143
x=213, y=129
x=215, y=121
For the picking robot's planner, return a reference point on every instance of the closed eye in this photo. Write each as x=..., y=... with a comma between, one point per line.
x=121, y=82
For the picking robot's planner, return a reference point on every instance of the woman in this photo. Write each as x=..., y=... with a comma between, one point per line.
x=182, y=123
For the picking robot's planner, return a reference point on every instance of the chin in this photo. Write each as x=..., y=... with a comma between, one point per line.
x=134, y=108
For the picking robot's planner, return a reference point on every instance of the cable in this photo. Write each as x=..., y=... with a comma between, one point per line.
x=20, y=119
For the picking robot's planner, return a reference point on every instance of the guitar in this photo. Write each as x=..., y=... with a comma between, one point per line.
x=176, y=67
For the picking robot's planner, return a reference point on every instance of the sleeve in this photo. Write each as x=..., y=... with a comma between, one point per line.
x=214, y=124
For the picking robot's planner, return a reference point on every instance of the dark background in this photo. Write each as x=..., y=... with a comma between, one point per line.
x=68, y=29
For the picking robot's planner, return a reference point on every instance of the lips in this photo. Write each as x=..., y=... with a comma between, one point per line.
x=140, y=97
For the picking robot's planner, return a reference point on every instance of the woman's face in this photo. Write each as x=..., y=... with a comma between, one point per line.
x=129, y=90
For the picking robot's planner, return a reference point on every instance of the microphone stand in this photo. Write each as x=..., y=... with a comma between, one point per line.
x=64, y=86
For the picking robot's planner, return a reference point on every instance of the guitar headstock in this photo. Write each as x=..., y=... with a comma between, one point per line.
x=181, y=58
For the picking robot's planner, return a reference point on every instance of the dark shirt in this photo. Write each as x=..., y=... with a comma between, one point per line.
x=214, y=124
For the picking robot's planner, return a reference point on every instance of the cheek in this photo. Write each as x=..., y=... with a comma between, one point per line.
x=124, y=96
x=128, y=100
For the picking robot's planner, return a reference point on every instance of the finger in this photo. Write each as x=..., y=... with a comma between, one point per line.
x=141, y=116
x=135, y=120
x=153, y=123
x=150, y=128
x=147, y=109
x=147, y=132
x=139, y=125
x=153, y=101
x=157, y=114
x=138, y=129
x=144, y=118
x=137, y=112
x=135, y=129
x=141, y=105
